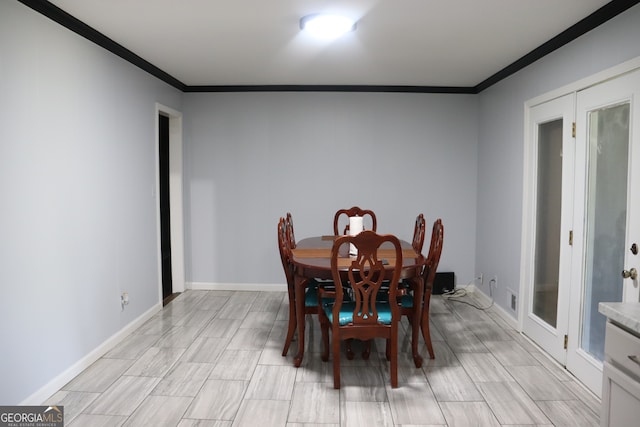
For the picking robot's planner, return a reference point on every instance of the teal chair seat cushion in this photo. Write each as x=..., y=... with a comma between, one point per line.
x=311, y=295
x=346, y=312
x=406, y=301
x=383, y=293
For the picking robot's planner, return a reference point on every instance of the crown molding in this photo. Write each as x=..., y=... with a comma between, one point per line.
x=332, y=88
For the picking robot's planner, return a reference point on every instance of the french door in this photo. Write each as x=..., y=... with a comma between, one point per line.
x=551, y=152
x=606, y=216
x=580, y=248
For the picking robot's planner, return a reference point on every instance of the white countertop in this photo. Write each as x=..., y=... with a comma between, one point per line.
x=626, y=314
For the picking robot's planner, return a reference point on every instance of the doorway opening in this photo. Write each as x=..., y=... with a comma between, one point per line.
x=170, y=215
x=165, y=208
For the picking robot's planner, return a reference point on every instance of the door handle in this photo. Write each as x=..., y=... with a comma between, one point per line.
x=630, y=274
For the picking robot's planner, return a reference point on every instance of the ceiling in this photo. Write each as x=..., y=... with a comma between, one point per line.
x=413, y=43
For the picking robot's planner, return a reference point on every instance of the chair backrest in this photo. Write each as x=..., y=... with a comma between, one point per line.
x=364, y=275
x=418, y=233
x=435, y=250
x=285, y=250
x=354, y=211
x=291, y=237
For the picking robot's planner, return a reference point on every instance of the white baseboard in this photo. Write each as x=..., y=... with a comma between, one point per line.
x=484, y=299
x=208, y=286
x=49, y=389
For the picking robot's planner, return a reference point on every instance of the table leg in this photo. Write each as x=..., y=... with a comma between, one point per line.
x=300, y=285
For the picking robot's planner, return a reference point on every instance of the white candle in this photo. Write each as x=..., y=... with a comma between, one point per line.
x=355, y=227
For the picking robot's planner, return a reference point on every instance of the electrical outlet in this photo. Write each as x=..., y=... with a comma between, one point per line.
x=481, y=278
x=493, y=284
x=124, y=299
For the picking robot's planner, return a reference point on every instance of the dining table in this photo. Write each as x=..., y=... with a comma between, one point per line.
x=311, y=259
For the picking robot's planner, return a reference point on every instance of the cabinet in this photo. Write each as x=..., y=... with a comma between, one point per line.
x=621, y=378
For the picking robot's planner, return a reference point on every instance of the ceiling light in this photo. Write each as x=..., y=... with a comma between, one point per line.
x=327, y=26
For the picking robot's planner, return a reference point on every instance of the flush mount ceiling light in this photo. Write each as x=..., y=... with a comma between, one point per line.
x=327, y=26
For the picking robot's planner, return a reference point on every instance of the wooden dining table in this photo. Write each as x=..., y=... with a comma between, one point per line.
x=312, y=260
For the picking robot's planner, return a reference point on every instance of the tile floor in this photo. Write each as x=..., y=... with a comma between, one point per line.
x=213, y=358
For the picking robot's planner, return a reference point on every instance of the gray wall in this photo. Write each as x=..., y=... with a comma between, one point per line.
x=501, y=146
x=78, y=219
x=251, y=157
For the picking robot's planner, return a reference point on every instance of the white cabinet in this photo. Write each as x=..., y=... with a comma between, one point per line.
x=621, y=383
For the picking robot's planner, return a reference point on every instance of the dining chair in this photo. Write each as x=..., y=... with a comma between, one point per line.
x=364, y=316
x=417, y=244
x=354, y=211
x=406, y=285
x=407, y=306
x=285, y=233
x=291, y=236
x=418, y=233
x=337, y=219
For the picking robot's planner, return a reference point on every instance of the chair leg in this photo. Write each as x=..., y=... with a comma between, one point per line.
x=324, y=327
x=335, y=340
x=292, y=323
x=392, y=343
x=366, y=350
x=424, y=325
x=427, y=339
x=349, y=350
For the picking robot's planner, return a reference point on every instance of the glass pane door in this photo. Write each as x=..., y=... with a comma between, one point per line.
x=548, y=210
x=547, y=222
x=606, y=217
x=608, y=145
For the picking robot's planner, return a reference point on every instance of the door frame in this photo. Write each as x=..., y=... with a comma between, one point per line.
x=175, y=198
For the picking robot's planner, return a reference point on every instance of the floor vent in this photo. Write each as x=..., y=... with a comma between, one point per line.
x=512, y=301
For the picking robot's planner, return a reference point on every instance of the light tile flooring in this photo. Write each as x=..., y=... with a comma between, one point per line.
x=213, y=358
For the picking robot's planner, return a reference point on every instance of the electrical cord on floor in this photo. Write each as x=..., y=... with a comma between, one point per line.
x=455, y=294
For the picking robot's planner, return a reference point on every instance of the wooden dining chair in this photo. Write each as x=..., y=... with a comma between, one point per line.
x=337, y=220
x=365, y=316
x=354, y=211
x=407, y=305
x=417, y=244
x=285, y=233
x=291, y=236
x=418, y=234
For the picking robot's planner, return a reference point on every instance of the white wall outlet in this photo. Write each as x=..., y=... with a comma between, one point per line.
x=124, y=299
